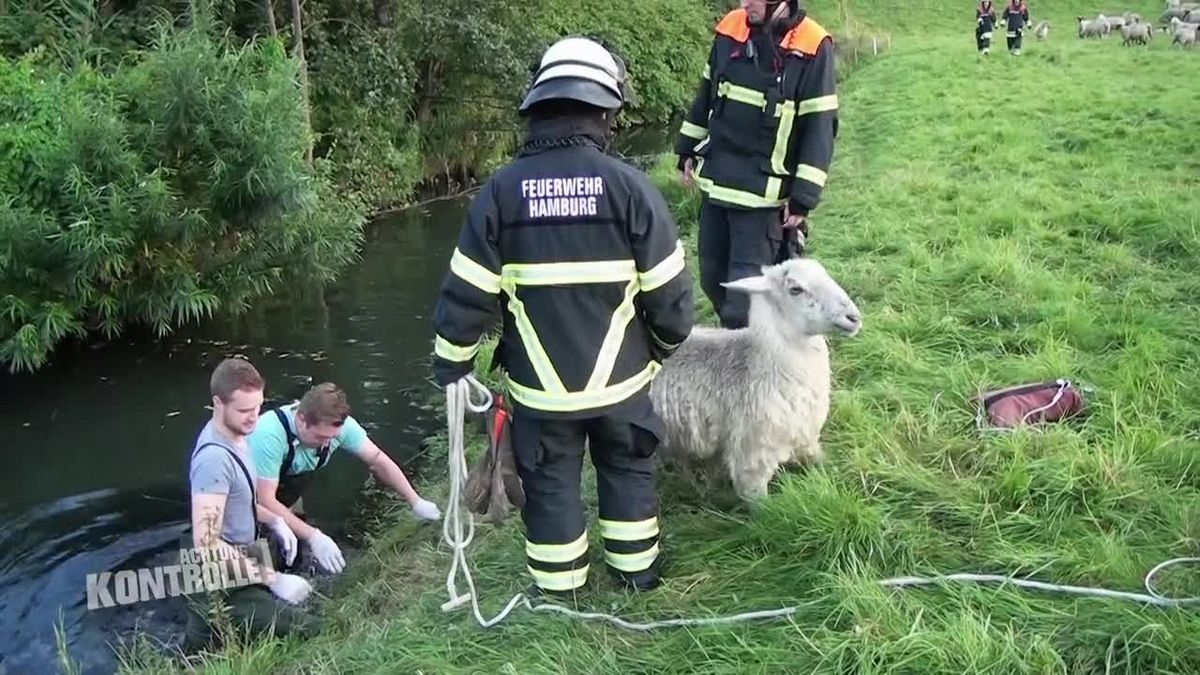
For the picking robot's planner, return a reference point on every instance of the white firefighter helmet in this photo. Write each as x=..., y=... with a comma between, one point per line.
x=578, y=69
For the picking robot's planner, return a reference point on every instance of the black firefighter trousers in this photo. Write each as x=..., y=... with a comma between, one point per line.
x=734, y=244
x=1014, y=39
x=550, y=461
x=983, y=40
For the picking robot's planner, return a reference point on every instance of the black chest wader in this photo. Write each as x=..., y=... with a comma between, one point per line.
x=292, y=485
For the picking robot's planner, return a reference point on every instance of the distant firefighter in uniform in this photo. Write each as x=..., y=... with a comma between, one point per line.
x=985, y=23
x=1016, y=15
x=582, y=253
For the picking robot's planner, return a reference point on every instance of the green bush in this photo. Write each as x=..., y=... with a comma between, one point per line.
x=435, y=94
x=405, y=94
x=664, y=44
x=159, y=194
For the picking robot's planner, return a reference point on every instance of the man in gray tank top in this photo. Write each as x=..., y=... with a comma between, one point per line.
x=224, y=512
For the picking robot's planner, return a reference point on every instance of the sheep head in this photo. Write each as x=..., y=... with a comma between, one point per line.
x=799, y=299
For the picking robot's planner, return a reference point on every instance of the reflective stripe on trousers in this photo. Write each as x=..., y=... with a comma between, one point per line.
x=550, y=462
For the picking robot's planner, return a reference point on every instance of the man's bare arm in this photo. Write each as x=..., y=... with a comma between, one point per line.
x=208, y=517
x=387, y=471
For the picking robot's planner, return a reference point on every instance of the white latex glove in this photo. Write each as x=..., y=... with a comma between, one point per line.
x=287, y=538
x=426, y=510
x=290, y=588
x=326, y=552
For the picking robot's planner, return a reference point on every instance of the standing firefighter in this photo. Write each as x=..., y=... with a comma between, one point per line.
x=758, y=141
x=1016, y=15
x=985, y=23
x=584, y=256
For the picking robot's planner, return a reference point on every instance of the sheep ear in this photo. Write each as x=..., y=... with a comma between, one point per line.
x=752, y=285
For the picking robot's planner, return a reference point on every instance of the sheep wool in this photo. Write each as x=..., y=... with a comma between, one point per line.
x=754, y=398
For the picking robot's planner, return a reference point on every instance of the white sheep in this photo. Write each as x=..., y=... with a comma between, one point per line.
x=1135, y=32
x=1185, y=36
x=1091, y=28
x=1112, y=22
x=1176, y=25
x=755, y=398
x=1174, y=13
x=1041, y=30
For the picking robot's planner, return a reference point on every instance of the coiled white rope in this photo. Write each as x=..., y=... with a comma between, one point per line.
x=458, y=401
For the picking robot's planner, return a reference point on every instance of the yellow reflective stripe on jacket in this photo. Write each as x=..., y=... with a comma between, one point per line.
x=742, y=94
x=548, y=274
x=786, y=112
x=818, y=104
x=668, y=269
x=473, y=273
x=632, y=562
x=557, y=553
x=624, y=530
x=693, y=130
x=551, y=394
x=811, y=174
x=452, y=352
x=606, y=360
x=741, y=197
x=564, y=401
x=560, y=581
x=547, y=376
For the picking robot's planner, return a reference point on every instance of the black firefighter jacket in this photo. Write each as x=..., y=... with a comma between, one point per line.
x=583, y=256
x=1016, y=16
x=764, y=119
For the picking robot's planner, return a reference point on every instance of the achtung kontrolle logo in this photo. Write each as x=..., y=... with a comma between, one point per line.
x=200, y=570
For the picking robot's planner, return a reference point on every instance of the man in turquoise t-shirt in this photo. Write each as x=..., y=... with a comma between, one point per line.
x=291, y=443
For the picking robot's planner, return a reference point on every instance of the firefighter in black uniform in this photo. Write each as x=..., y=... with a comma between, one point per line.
x=585, y=258
x=1016, y=15
x=758, y=141
x=985, y=23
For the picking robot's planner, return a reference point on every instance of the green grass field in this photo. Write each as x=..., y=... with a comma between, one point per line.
x=998, y=221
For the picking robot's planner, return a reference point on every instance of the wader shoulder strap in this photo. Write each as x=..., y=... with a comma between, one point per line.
x=286, y=468
x=245, y=473
x=292, y=441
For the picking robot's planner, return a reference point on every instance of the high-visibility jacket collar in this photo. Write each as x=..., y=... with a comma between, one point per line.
x=805, y=37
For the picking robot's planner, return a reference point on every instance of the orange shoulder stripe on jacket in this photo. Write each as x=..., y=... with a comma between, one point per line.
x=735, y=26
x=805, y=37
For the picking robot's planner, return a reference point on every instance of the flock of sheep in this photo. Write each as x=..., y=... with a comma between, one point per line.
x=1181, y=19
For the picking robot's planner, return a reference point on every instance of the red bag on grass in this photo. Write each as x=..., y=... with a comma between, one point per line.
x=1032, y=403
